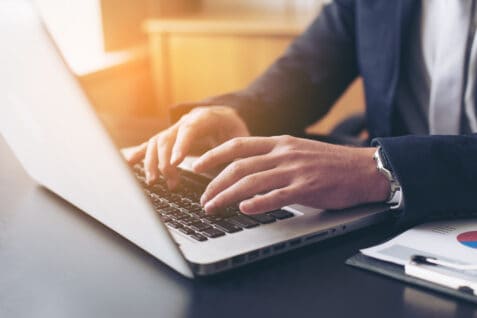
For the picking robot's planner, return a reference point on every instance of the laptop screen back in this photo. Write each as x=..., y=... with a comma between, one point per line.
x=50, y=125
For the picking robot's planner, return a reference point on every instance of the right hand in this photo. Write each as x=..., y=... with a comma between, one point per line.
x=196, y=132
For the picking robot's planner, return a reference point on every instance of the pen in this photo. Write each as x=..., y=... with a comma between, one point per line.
x=421, y=259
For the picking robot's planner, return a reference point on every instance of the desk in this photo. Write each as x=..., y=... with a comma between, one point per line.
x=57, y=262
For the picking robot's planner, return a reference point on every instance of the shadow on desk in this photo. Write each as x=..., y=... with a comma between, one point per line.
x=431, y=304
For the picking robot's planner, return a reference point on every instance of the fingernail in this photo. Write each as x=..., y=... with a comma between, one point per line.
x=148, y=177
x=195, y=166
x=175, y=157
x=245, y=207
x=203, y=200
x=209, y=206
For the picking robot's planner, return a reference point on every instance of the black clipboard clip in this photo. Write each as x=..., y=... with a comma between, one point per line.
x=452, y=275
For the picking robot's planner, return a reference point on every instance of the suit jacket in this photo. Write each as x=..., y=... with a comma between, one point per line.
x=351, y=38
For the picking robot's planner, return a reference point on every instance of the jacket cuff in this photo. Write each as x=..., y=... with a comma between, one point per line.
x=432, y=179
x=392, y=150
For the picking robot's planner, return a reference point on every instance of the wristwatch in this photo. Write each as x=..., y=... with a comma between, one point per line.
x=395, y=199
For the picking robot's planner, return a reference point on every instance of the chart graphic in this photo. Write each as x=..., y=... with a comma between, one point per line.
x=468, y=239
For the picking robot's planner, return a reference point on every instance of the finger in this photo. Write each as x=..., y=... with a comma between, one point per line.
x=234, y=172
x=186, y=134
x=246, y=188
x=134, y=154
x=236, y=148
x=164, y=149
x=150, y=161
x=273, y=200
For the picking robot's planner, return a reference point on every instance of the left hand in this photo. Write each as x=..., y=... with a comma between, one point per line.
x=267, y=173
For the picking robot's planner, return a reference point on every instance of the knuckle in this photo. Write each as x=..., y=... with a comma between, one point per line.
x=187, y=125
x=211, y=188
x=163, y=137
x=236, y=143
x=151, y=141
x=293, y=155
x=197, y=110
x=286, y=155
x=162, y=147
x=279, y=156
x=282, y=193
x=198, y=113
x=235, y=169
x=249, y=180
x=286, y=174
x=285, y=143
x=286, y=139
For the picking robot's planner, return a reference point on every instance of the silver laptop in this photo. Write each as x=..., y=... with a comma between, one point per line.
x=50, y=125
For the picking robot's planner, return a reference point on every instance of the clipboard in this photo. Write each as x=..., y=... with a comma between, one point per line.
x=397, y=272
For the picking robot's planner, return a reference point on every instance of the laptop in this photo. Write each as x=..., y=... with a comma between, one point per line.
x=49, y=123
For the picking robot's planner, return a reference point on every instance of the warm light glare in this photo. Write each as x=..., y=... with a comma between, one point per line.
x=77, y=29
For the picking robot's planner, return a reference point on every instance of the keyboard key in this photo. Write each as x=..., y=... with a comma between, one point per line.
x=195, y=208
x=184, y=210
x=165, y=219
x=174, y=225
x=183, y=204
x=228, y=212
x=197, y=211
x=169, y=210
x=181, y=210
x=178, y=215
x=142, y=180
x=188, y=220
x=212, y=218
x=211, y=232
x=186, y=230
x=175, y=198
x=160, y=205
x=263, y=218
x=199, y=226
x=155, y=196
x=227, y=226
x=243, y=221
x=198, y=237
x=281, y=214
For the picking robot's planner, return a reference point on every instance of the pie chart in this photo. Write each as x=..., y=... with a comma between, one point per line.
x=468, y=239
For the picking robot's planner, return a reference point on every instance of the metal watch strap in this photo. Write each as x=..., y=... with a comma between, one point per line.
x=395, y=198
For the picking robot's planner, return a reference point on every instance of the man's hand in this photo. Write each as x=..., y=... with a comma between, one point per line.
x=267, y=173
x=197, y=131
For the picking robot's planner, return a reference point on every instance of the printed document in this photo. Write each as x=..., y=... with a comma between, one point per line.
x=452, y=241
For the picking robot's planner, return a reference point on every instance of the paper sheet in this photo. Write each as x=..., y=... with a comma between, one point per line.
x=454, y=241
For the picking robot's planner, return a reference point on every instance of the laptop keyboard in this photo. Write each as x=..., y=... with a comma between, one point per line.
x=181, y=210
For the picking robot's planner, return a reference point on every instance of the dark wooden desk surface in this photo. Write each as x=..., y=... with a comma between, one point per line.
x=56, y=261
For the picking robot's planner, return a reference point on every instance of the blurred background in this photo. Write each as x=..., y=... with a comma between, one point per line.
x=136, y=58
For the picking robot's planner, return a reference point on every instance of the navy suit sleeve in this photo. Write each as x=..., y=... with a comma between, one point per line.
x=438, y=175
x=302, y=85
